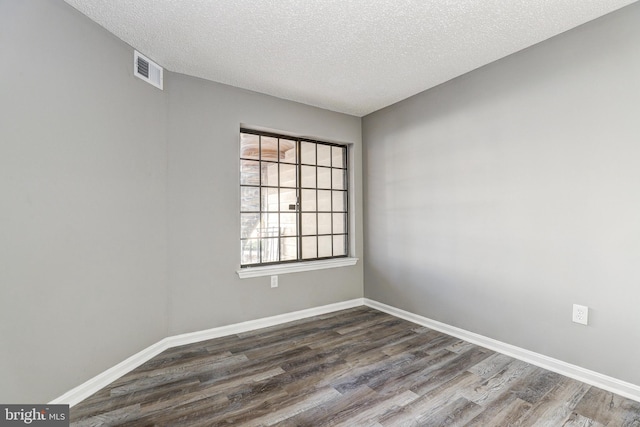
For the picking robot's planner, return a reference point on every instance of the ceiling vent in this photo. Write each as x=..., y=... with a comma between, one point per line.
x=147, y=70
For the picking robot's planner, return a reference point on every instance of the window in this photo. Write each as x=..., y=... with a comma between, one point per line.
x=294, y=199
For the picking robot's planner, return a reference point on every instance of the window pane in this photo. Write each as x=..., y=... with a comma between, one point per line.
x=324, y=200
x=270, y=250
x=249, y=225
x=324, y=223
x=338, y=157
x=339, y=222
x=293, y=199
x=249, y=199
x=249, y=146
x=324, y=178
x=308, y=200
x=324, y=246
x=339, y=247
x=308, y=153
x=288, y=248
x=309, y=224
x=288, y=175
x=249, y=172
x=309, y=247
x=288, y=224
x=270, y=225
x=269, y=174
x=250, y=251
x=287, y=151
x=308, y=176
x=338, y=201
x=269, y=199
x=338, y=179
x=288, y=199
x=324, y=155
x=269, y=149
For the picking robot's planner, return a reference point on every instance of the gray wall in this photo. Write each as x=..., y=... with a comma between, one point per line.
x=204, y=123
x=119, y=203
x=497, y=200
x=83, y=251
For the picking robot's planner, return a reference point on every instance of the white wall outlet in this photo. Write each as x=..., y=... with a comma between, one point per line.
x=274, y=281
x=581, y=314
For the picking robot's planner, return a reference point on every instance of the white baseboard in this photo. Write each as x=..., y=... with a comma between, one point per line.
x=96, y=383
x=265, y=322
x=105, y=378
x=605, y=382
x=86, y=389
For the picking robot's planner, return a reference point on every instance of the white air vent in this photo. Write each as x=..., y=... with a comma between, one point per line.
x=147, y=70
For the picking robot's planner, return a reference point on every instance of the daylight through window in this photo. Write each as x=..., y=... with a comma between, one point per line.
x=293, y=199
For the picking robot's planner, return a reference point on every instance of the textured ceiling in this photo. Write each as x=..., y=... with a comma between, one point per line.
x=351, y=56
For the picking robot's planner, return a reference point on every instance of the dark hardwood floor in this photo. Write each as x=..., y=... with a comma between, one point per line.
x=356, y=367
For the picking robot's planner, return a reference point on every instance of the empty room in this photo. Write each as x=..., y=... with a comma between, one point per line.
x=320, y=213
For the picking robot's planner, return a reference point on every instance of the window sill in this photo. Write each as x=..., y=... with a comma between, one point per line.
x=272, y=270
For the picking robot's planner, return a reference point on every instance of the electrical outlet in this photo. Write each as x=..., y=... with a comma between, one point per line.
x=274, y=281
x=581, y=314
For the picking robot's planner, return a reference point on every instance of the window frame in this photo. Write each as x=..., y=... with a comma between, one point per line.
x=253, y=269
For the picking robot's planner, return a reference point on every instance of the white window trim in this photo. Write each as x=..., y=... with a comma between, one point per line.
x=296, y=267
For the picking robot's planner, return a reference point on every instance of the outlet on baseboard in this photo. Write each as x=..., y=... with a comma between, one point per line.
x=274, y=281
x=581, y=314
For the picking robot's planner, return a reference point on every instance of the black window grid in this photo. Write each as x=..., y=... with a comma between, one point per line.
x=268, y=236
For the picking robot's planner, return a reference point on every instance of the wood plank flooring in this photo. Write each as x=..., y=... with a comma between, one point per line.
x=356, y=367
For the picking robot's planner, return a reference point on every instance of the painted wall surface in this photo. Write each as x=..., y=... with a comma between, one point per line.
x=204, y=201
x=83, y=281
x=119, y=203
x=497, y=200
